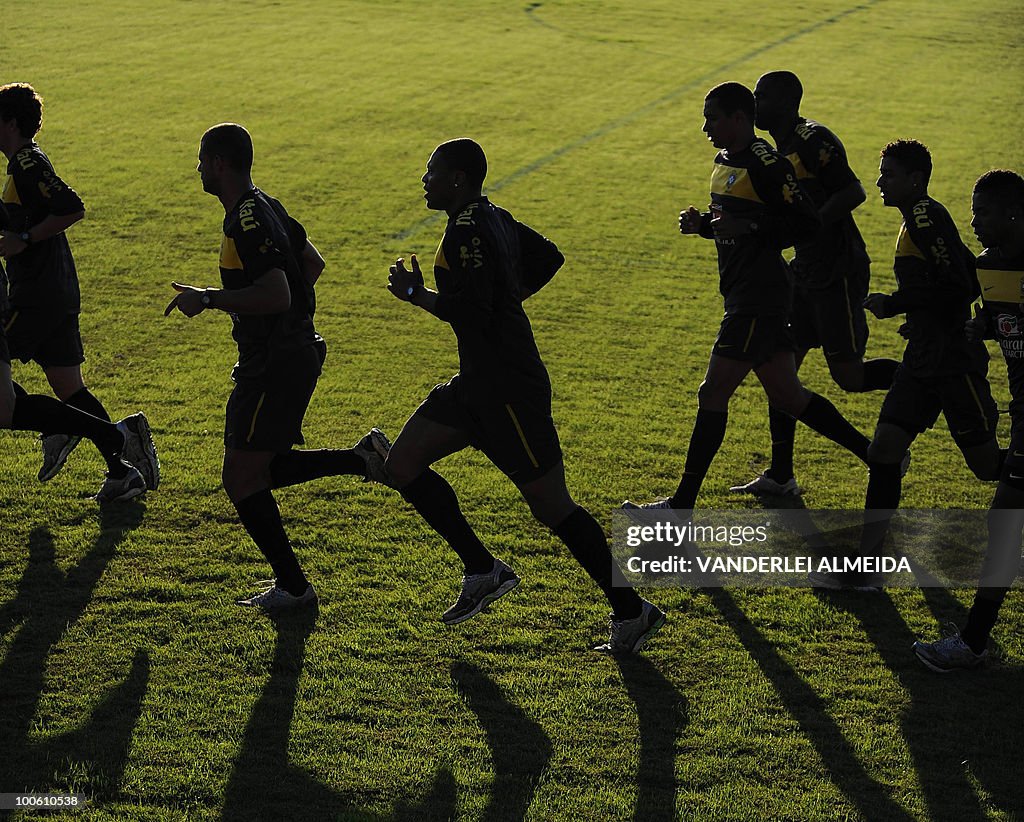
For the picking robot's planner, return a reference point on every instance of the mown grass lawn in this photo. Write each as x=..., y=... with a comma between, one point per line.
x=125, y=671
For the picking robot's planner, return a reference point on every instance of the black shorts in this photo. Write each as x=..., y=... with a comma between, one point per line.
x=5, y=352
x=913, y=403
x=832, y=318
x=49, y=339
x=265, y=414
x=751, y=338
x=518, y=436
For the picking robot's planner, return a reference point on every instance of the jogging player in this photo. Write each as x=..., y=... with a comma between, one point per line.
x=268, y=267
x=942, y=370
x=21, y=411
x=830, y=271
x=757, y=209
x=42, y=321
x=998, y=207
x=500, y=401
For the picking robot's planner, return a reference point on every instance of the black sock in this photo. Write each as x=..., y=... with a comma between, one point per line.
x=435, y=501
x=47, y=415
x=823, y=417
x=878, y=374
x=982, y=618
x=706, y=439
x=587, y=543
x=885, y=487
x=262, y=520
x=84, y=400
x=296, y=467
x=783, y=430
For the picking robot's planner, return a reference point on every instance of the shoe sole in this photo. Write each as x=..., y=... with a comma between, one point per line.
x=643, y=639
x=131, y=493
x=766, y=492
x=62, y=458
x=374, y=444
x=151, y=473
x=292, y=606
x=498, y=593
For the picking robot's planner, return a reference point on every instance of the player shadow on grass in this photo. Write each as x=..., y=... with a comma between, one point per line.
x=520, y=750
x=264, y=785
x=90, y=759
x=964, y=730
x=662, y=716
x=871, y=798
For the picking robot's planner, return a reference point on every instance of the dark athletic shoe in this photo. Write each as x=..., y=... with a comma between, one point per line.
x=630, y=635
x=479, y=591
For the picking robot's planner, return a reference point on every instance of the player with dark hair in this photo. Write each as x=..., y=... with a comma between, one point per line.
x=942, y=370
x=757, y=209
x=998, y=207
x=830, y=270
x=268, y=267
x=42, y=322
x=500, y=401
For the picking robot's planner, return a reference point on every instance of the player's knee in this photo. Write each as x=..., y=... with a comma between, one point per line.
x=712, y=394
x=401, y=470
x=982, y=457
x=849, y=380
x=241, y=480
x=882, y=452
x=551, y=512
x=789, y=401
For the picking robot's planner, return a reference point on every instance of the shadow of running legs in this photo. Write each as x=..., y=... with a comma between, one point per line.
x=519, y=747
x=662, y=716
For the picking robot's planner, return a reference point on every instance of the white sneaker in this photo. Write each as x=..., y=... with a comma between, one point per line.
x=479, y=591
x=949, y=654
x=278, y=599
x=139, y=449
x=56, y=450
x=127, y=487
x=374, y=448
x=763, y=484
x=630, y=635
x=661, y=506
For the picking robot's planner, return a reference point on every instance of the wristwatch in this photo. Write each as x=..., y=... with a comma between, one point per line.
x=25, y=237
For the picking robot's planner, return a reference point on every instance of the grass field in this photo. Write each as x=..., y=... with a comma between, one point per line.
x=125, y=671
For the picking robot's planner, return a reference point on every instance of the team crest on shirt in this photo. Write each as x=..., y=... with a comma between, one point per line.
x=1008, y=325
x=729, y=181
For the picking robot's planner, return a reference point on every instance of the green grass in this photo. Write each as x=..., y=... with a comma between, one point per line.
x=125, y=672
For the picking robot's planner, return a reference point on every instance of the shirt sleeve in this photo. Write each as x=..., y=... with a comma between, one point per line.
x=472, y=271
x=258, y=249
x=41, y=189
x=824, y=156
x=789, y=216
